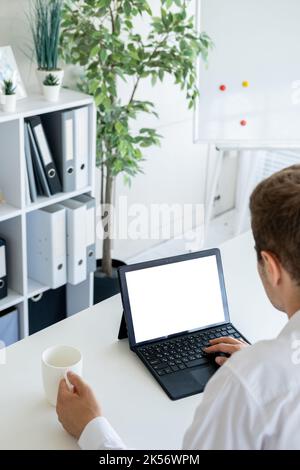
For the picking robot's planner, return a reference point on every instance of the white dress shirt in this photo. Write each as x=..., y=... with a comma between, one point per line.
x=251, y=402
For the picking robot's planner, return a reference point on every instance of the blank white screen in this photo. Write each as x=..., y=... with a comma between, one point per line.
x=176, y=297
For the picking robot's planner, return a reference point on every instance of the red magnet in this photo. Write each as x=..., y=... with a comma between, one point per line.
x=222, y=87
x=243, y=122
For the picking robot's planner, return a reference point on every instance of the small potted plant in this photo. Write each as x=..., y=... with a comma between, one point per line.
x=45, y=20
x=9, y=99
x=51, y=87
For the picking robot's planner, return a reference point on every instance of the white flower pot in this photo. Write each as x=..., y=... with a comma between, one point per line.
x=51, y=93
x=9, y=103
x=42, y=74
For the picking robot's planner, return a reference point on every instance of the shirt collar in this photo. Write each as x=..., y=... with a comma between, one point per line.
x=292, y=324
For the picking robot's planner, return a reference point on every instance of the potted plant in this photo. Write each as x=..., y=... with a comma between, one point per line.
x=10, y=98
x=51, y=87
x=101, y=36
x=45, y=21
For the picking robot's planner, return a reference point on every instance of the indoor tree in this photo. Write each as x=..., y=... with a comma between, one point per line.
x=102, y=36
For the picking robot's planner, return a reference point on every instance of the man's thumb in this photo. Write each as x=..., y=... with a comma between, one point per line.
x=77, y=382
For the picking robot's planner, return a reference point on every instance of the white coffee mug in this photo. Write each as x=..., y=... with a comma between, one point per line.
x=56, y=362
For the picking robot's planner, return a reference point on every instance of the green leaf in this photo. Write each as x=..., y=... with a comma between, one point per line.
x=98, y=99
x=127, y=180
x=164, y=17
x=153, y=79
x=127, y=8
x=147, y=8
x=103, y=55
x=119, y=127
x=93, y=86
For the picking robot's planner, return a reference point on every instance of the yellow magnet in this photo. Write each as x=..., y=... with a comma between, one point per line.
x=245, y=83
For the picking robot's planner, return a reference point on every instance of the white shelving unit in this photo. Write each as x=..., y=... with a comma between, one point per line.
x=13, y=213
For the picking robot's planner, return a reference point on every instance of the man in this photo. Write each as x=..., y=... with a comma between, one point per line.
x=253, y=401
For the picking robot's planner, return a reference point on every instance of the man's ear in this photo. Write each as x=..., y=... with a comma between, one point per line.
x=272, y=267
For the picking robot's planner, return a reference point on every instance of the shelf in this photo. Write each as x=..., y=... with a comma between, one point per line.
x=35, y=288
x=36, y=104
x=13, y=298
x=44, y=201
x=15, y=211
x=8, y=212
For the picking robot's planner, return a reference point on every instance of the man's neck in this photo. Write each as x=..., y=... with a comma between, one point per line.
x=292, y=308
x=290, y=296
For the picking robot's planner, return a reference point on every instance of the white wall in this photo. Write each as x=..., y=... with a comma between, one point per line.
x=14, y=31
x=173, y=173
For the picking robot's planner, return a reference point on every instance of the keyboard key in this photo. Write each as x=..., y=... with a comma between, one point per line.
x=159, y=366
x=174, y=368
x=197, y=362
x=168, y=370
x=181, y=366
x=161, y=372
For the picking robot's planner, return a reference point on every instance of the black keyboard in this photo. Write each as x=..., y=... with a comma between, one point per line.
x=172, y=355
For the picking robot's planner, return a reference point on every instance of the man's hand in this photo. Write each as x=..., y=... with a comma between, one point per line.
x=225, y=345
x=75, y=409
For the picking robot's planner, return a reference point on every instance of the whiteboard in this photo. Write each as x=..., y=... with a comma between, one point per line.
x=257, y=41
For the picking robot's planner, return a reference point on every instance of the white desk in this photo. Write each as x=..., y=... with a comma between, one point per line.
x=131, y=399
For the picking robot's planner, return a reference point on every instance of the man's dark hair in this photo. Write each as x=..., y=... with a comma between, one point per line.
x=275, y=218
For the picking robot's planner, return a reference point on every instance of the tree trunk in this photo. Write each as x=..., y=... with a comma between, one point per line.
x=106, y=265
